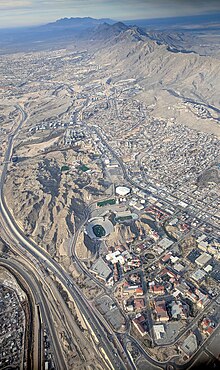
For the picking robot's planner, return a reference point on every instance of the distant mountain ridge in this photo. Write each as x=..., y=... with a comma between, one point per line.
x=65, y=29
x=78, y=22
x=68, y=30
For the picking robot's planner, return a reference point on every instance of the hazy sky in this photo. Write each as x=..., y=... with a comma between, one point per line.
x=26, y=12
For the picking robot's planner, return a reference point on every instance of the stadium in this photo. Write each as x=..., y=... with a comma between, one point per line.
x=99, y=227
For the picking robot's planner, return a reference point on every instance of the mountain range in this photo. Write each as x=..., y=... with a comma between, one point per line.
x=68, y=28
x=175, y=62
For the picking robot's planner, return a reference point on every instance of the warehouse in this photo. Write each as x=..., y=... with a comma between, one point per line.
x=203, y=259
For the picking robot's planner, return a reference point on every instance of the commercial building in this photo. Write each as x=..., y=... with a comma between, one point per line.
x=198, y=275
x=101, y=269
x=165, y=243
x=189, y=345
x=203, y=259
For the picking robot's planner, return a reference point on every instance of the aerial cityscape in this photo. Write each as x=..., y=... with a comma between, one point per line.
x=109, y=185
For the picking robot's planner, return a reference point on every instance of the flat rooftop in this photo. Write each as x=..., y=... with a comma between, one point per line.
x=101, y=269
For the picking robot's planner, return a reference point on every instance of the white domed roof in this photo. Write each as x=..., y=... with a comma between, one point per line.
x=122, y=190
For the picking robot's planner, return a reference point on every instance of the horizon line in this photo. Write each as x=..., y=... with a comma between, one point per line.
x=115, y=20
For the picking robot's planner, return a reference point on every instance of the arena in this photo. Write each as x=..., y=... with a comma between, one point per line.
x=99, y=227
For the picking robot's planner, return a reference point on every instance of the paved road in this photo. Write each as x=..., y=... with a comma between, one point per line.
x=76, y=294
x=53, y=266
x=130, y=181
x=40, y=300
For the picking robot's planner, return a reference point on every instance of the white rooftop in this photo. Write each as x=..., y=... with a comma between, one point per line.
x=203, y=259
x=122, y=190
x=158, y=331
x=165, y=243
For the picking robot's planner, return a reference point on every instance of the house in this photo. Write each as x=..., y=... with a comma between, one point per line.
x=139, y=291
x=139, y=303
x=207, y=326
x=203, y=299
x=139, y=323
x=161, y=312
x=157, y=289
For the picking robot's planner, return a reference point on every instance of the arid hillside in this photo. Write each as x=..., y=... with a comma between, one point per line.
x=190, y=75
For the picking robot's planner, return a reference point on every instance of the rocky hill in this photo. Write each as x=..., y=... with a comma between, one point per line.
x=158, y=67
x=48, y=202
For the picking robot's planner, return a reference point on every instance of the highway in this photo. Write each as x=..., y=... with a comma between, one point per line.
x=111, y=348
x=48, y=262
x=40, y=300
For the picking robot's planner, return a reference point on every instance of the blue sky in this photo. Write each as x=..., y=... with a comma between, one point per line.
x=26, y=12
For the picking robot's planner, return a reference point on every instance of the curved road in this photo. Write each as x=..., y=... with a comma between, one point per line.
x=40, y=300
x=48, y=262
